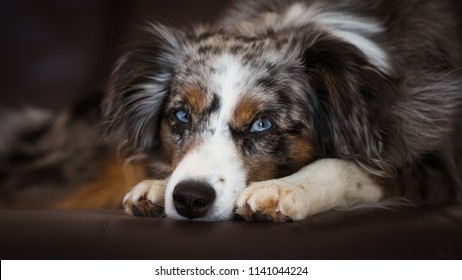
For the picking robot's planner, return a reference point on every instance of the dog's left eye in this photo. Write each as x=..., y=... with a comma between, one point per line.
x=182, y=116
x=261, y=125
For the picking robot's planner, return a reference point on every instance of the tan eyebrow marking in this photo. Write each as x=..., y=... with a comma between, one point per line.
x=246, y=110
x=196, y=99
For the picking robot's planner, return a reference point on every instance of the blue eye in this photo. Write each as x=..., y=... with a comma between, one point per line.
x=182, y=116
x=261, y=125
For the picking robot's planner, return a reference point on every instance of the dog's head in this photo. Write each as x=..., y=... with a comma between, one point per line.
x=232, y=109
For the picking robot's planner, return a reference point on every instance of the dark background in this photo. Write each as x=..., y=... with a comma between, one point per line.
x=55, y=52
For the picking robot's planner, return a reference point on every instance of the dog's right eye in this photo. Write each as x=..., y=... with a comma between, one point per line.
x=182, y=116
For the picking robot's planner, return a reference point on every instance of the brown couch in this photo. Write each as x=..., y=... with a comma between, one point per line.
x=394, y=232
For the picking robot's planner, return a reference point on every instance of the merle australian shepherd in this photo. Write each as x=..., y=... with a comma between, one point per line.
x=281, y=110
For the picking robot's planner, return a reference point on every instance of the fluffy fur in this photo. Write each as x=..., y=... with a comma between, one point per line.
x=361, y=96
x=285, y=109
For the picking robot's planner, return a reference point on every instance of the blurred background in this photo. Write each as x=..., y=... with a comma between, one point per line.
x=53, y=52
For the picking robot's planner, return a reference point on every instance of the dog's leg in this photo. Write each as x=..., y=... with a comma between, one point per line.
x=322, y=185
x=146, y=198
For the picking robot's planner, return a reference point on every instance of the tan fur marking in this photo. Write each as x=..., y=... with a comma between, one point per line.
x=196, y=99
x=301, y=149
x=267, y=202
x=246, y=110
x=107, y=190
x=259, y=170
x=268, y=206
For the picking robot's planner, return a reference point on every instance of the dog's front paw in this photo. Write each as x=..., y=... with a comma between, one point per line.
x=273, y=200
x=146, y=199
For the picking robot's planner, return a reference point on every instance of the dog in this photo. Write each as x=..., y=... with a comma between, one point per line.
x=290, y=108
x=285, y=109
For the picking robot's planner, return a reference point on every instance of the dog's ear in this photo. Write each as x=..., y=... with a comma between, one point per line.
x=349, y=100
x=138, y=87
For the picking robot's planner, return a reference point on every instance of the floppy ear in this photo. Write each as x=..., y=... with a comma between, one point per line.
x=138, y=87
x=350, y=98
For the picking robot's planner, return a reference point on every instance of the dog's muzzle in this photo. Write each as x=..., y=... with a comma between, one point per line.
x=192, y=199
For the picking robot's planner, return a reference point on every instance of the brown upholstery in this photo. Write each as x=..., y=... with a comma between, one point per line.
x=399, y=232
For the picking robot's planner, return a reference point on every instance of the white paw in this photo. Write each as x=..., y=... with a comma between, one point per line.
x=272, y=200
x=146, y=199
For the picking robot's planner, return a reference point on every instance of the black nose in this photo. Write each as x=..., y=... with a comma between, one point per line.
x=192, y=199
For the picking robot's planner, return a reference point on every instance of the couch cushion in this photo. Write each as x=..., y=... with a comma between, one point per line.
x=383, y=232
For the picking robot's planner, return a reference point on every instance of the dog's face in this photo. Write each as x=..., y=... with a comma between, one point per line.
x=232, y=110
x=233, y=116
